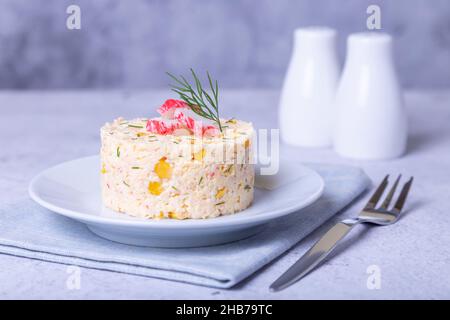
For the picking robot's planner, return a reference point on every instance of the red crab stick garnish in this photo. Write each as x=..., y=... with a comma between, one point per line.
x=166, y=125
x=175, y=119
x=210, y=131
x=169, y=107
x=160, y=126
x=181, y=116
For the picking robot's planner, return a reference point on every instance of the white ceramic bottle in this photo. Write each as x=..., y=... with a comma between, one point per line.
x=309, y=88
x=371, y=121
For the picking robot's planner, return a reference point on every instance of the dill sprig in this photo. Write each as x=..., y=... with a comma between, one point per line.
x=200, y=101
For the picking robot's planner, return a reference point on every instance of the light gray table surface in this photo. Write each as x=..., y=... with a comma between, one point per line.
x=41, y=129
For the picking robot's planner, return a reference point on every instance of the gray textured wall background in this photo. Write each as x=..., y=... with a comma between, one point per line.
x=244, y=43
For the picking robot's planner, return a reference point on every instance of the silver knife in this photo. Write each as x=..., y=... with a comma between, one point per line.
x=312, y=258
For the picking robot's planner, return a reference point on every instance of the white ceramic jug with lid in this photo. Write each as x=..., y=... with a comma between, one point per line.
x=305, y=113
x=371, y=121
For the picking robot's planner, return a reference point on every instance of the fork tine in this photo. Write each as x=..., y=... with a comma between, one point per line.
x=388, y=199
x=402, y=197
x=377, y=194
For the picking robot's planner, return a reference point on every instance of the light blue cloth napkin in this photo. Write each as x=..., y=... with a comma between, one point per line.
x=27, y=230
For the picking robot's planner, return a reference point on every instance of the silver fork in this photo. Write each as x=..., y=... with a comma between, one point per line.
x=370, y=214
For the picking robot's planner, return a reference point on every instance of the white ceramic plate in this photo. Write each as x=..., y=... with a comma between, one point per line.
x=72, y=189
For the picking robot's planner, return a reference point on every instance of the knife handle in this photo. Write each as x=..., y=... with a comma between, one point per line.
x=315, y=255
